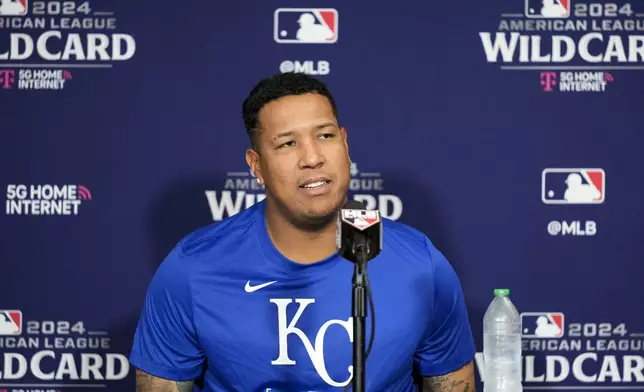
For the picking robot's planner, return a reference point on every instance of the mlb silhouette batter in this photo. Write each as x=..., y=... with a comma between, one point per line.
x=552, y=9
x=545, y=329
x=311, y=32
x=11, y=7
x=578, y=192
x=7, y=326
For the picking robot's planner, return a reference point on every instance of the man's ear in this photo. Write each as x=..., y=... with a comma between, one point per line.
x=343, y=132
x=252, y=159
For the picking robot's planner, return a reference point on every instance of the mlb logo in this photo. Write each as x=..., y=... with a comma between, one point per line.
x=542, y=325
x=361, y=219
x=573, y=186
x=13, y=7
x=10, y=322
x=305, y=25
x=548, y=9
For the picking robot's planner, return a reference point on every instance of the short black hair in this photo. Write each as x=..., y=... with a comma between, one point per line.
x=275, y=87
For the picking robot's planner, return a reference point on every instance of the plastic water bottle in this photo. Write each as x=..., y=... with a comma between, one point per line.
x=502, y=345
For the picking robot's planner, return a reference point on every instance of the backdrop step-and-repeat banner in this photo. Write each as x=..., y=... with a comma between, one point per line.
x=509, y=131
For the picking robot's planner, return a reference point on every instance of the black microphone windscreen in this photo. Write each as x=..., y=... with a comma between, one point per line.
x=359, y=232
x=354, y=205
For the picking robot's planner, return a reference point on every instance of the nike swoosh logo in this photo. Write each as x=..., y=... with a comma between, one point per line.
x=250, y=289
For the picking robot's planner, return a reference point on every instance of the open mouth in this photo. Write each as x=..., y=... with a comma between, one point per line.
x=315, y=185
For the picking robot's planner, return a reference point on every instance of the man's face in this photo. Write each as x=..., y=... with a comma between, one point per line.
x=303, y=157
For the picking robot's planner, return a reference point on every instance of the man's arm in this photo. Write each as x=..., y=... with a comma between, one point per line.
x=461, y=380
x=148, y=383
x=166, y=347
x=445, y=357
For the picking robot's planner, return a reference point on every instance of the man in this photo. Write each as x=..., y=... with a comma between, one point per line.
x=262, y=302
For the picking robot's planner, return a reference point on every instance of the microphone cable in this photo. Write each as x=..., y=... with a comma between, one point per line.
x=372, y=306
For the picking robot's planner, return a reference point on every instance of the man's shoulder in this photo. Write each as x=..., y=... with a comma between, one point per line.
x=403, y=234
x=410, y=244
x=221, y=236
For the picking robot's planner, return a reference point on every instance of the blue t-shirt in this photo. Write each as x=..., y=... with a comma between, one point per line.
x=227, y=307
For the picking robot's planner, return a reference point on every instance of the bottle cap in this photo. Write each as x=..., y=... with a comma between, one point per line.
x=501, y=292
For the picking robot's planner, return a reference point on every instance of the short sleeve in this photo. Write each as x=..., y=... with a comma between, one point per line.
x=448, y=344
x=165, y=342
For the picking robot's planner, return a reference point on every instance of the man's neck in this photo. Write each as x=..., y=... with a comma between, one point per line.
x=298, y=245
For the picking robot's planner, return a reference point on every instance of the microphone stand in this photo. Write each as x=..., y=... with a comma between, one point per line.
x=359, y=313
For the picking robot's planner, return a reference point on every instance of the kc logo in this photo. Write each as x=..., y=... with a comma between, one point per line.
x=315, y=353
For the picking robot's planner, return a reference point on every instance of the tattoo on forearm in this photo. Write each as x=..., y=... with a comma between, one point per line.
x=185, y=386
x=446, y=384
x=148, y=383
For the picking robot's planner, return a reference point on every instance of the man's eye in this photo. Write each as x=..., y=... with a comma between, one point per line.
x=327, y=135
x=290, y=143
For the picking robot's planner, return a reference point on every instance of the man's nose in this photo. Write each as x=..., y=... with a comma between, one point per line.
x=312, y=155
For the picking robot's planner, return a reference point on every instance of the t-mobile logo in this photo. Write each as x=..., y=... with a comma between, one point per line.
x=548, y=79
x=7, y=78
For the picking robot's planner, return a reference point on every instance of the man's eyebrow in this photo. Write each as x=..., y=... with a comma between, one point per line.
x=324, y=125
x=283, y=134
x=317, y=127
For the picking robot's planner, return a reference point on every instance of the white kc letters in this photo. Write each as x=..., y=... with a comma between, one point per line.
x=315, y=353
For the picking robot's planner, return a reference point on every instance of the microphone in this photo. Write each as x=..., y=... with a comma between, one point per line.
x=359, y=232
x=359, y=239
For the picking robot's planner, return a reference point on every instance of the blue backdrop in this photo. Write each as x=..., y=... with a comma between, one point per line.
x=509, y=131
